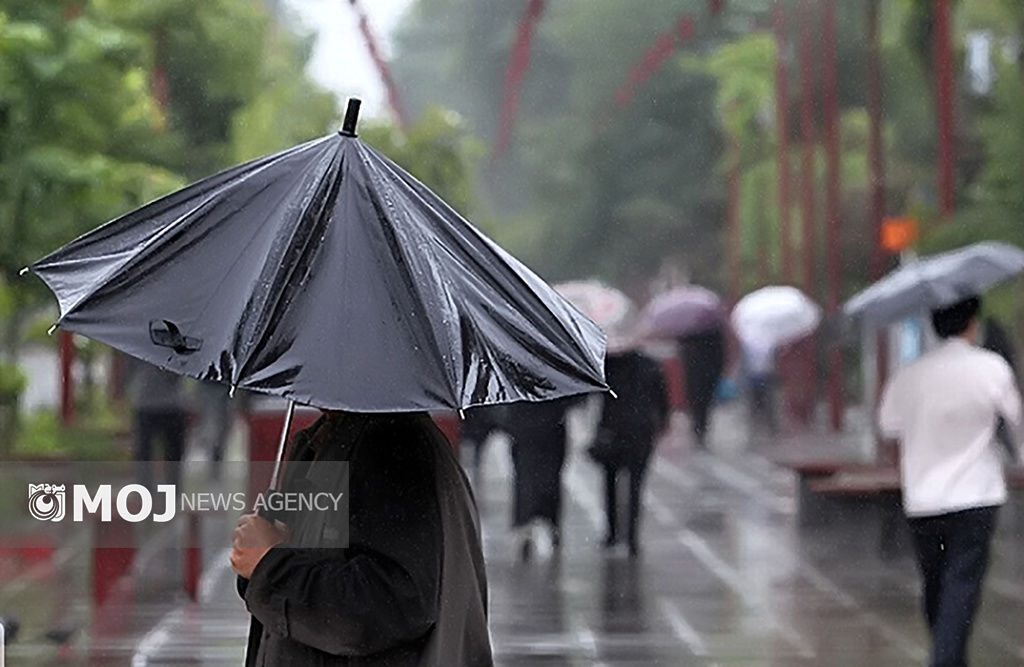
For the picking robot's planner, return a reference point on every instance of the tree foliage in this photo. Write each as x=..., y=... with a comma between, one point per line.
x=107, y=104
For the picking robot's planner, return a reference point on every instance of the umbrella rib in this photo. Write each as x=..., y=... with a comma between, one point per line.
x=388, y=231
x=527, y=288
x=155, y=242
x=256, y=342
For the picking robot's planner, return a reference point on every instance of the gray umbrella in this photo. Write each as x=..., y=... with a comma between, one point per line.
x=932, y=282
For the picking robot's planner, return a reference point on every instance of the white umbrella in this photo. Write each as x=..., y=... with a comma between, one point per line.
x=775, y=315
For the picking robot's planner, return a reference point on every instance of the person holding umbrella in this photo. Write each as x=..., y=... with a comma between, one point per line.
x=695, y=318
x=328, y=276
x=382, y=599
x=942, y=411
x=764, y=321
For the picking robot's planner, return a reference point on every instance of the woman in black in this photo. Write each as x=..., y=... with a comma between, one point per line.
x=538, y=434
x=628, y=429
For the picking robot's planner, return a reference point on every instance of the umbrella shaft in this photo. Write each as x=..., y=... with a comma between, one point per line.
x=281, y=445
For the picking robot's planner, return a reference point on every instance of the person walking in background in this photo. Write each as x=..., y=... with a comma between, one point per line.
x=941, y=410
x=703, y=363
x=159, y=415
x=216, y=417
x=627, y=431
x=538, y=436
x=480, y=422
x=759, y=369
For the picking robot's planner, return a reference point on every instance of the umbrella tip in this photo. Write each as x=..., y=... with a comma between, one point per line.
x=612, y=392
x=49, y=332
x=231, y=391
x=23, y=271
x=462, y=414
x=348, y=127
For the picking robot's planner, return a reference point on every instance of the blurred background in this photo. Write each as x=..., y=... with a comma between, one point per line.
x=653, y=144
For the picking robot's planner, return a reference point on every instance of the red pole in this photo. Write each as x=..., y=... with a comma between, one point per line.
x=66, y=352
x=381, y=65
x=518, y=65
x=875, y=147
x=782, y=127
x=193, y=564
x=762, y=235
x=807, y=180
x=832, y=206
x=876, y=161
x=732, y=194
x=944, y=103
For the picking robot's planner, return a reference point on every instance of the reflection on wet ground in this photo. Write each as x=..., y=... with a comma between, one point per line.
x=726, y=577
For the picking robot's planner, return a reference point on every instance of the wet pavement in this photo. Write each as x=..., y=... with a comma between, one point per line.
x=725, y=577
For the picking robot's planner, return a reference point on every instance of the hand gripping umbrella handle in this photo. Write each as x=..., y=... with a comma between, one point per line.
x=275, y=478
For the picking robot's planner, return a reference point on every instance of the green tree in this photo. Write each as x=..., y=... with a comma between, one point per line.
x=438, y=150
x=74, y=95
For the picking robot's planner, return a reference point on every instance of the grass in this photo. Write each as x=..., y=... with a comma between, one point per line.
x=94, y=437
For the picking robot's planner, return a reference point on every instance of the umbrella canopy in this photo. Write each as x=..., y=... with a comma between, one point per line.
x=607, y=306
x=327, y=275
x=933, y=282
x=683, y=311
x=612, y=310
x=775, y=315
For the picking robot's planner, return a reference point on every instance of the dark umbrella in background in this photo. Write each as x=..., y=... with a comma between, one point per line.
x=329, y=276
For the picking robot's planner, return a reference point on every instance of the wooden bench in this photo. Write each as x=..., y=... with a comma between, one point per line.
x=868, y=496
x=810, y=471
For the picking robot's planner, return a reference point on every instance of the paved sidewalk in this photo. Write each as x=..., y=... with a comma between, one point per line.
x=725, y=578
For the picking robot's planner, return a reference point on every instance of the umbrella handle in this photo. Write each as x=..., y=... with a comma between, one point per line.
x=275, y=480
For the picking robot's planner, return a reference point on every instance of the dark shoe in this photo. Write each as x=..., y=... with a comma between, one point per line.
x=556, y=538
x=634, y=550
x=610, y=541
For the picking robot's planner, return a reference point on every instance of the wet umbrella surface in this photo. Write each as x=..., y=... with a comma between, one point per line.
x=328, y=275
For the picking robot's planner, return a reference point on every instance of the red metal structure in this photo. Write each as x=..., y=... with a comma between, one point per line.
x=807, y=136
x=732, y=216
x=782, y=145
x=832, y=205
x=660, y=51
x=518, y=65
x=383, y=71
x=66, y=353
x=876, y=162
x=944, y=104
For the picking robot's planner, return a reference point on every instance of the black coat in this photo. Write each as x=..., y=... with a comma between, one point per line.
x=630, y=423
x=703, y=362
x=538, y=450
x=412, y=575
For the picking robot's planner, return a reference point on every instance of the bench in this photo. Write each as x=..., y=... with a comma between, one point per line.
x=869, y=497
x=810, y=471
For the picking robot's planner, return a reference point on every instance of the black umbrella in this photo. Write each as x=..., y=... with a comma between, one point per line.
x=327, y=275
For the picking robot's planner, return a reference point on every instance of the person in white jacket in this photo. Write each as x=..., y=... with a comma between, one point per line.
x=942, y=411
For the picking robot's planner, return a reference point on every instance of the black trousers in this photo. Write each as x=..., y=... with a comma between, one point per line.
x=952, y=553
x=167, y=426
x=637, y=471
